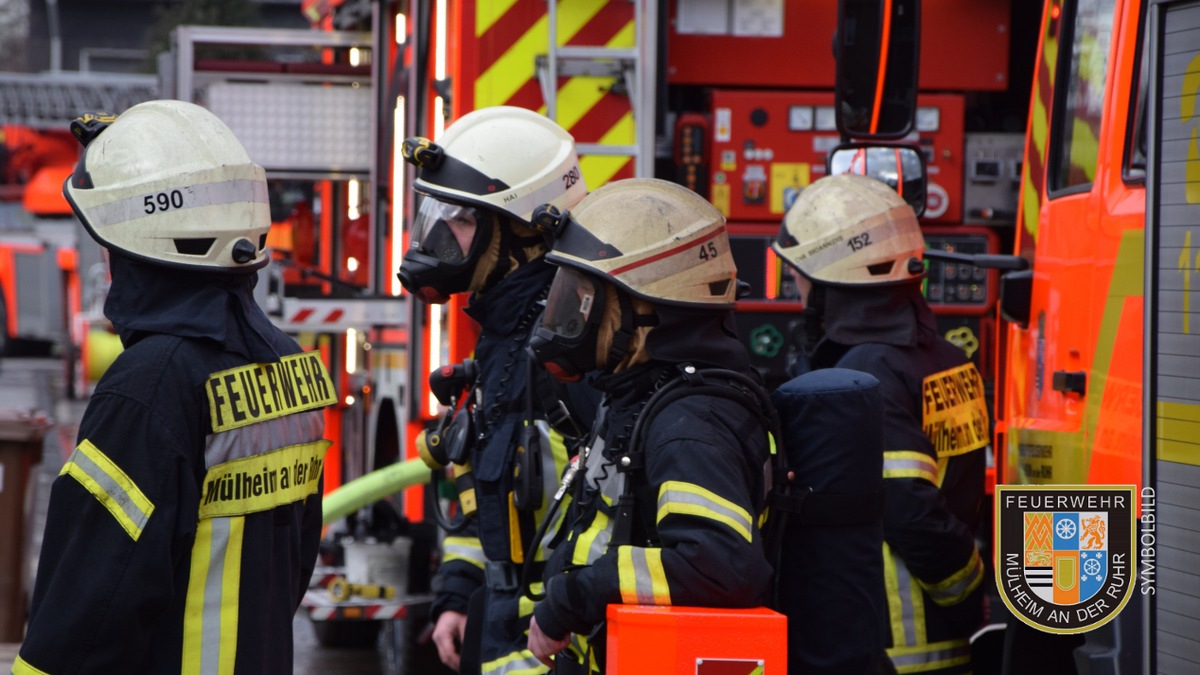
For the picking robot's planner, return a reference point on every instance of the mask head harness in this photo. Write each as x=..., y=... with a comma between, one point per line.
x=451, y=235
x=567, y=336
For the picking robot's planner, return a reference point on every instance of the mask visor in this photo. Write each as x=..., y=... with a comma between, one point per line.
x=445, y=231
x=573, y=298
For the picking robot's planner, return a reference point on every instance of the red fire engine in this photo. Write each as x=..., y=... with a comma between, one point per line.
x=1089, y=354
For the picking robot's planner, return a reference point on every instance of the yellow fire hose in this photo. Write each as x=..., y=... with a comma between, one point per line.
x=372, y=487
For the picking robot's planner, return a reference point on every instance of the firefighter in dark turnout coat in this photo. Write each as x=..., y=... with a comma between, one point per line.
x=479, y=185
x=643, y=296
x=857, y=247
x=183, y=529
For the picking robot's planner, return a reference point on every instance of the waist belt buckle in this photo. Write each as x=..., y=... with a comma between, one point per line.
x=501, y=575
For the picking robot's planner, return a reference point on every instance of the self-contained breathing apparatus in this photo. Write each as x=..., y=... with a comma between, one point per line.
x=448, y=443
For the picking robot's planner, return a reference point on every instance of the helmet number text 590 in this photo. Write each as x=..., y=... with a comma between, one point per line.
x=163, y=201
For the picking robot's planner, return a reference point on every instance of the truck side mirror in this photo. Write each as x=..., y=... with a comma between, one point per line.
x=900, y=166
x=877, y=49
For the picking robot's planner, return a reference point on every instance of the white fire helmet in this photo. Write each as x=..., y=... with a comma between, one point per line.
x=503, y=158
x=852, y=230
x=656, y=239
x=167, y=182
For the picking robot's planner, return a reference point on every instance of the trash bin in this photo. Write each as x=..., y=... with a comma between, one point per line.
x=21, y=434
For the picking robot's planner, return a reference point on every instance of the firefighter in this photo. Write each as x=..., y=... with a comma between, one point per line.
x=183, y=529
x=479, y=184
x=856, y=250
x=669, y=488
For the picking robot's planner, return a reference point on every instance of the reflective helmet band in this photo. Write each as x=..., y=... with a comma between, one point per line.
x=176, y=199
x=873, y=231
x=526, y=203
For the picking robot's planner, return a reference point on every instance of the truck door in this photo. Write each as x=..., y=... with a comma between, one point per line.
x=1074, y=366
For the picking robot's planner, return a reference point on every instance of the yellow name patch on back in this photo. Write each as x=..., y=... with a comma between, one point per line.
x=262, y=391
x=955, y=411
x=263, y=481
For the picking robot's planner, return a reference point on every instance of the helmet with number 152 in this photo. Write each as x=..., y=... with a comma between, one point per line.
x=854, y=231
x=168, y=183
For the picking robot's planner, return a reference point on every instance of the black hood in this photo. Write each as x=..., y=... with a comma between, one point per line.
x=704, y=337
x=147, y=299
x=894, y=315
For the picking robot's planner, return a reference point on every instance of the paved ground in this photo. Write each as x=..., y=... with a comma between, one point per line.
x=29, y=384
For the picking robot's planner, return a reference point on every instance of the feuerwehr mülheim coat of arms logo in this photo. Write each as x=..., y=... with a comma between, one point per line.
x=1065, y=553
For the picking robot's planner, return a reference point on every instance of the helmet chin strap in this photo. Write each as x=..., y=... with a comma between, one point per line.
x=626, y=331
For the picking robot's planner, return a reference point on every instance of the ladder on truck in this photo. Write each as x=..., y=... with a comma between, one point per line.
x=634, y=67
x=51, y=100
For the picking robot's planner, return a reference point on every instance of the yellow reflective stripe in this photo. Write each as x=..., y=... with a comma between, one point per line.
x=516, y=663
x=263, y=481
x=111, y=486
x=896, y=605
x=524, y=604
x=641, y=576
x=211, y=610
x=909, y=464
x=593, y=541
x=22, y=667
x=956, y=587
x=554, y=464
x=692, y=500
x=262, y=391
x=916, y=599
x=933, y=656
x=231, y=583
x=467, y=549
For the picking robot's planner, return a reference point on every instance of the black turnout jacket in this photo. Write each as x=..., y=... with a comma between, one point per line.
x=183, y=528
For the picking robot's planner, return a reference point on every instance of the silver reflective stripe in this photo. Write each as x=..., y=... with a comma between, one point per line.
x=121, y=500
x=210, y=650
x=463, y=548
x=909, y=464
x=264, y=436
x=905, y=598
x=677, y=497
x=958, y=585
x=599, y=544
x=643, y=583
x=192, y=196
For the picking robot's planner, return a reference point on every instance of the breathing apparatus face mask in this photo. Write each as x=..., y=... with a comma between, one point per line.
x=564, y=340
x=447, y=240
